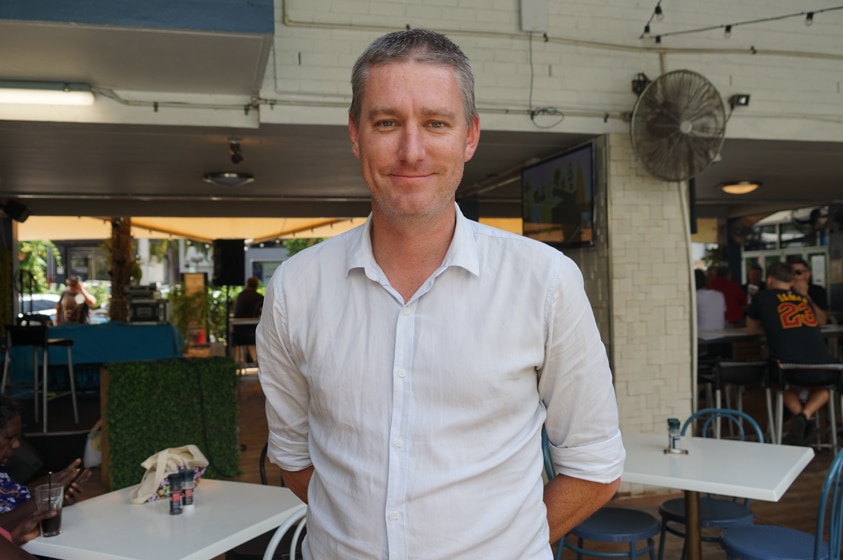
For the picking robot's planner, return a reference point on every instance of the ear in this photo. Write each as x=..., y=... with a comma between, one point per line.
x=354, y=133
x=472, y=138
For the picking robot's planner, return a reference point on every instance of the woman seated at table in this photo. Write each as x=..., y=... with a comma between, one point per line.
x=18, y=516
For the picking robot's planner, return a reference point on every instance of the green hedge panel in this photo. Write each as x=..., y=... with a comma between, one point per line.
x=159, y=404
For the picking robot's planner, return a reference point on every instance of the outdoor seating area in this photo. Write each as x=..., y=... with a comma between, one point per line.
x=434, y=232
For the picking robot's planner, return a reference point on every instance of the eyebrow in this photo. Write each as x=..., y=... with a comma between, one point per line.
x=375, y=112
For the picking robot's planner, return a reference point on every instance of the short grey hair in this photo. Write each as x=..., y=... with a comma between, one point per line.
x=419, y=45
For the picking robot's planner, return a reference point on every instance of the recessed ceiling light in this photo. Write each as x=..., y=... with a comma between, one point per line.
x=228, y=178
x=740, y=187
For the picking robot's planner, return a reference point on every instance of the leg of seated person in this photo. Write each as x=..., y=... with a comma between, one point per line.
x=791, y=401
x=816, y=400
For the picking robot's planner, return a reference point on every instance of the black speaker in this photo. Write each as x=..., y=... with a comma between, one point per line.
x=16, y=211
x=229, y=262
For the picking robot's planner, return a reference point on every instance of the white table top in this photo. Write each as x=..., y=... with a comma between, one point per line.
x=109, y=527
x=744, y=469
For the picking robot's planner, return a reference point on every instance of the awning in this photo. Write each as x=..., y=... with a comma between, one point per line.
x=254, y=230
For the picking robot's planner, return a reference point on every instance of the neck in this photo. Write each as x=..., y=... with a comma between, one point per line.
x=409, y=253
x=779, y=285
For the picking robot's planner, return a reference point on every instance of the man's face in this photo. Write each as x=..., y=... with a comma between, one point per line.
x=73, y=287
x=754, y=276
x=801, y=273
x=412, y=140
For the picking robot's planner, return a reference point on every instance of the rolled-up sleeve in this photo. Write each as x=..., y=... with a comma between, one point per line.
x=283, y=384
x=575, y=384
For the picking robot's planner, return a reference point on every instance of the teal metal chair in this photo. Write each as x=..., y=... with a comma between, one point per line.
x=765, y=542
x=715, y=512
x=608, y=525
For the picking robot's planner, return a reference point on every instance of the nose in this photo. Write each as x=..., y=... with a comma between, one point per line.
x=411, y=148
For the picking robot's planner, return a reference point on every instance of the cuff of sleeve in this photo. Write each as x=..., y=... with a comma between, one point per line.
x=6, y=534
x=287, y=454
x=601, y=462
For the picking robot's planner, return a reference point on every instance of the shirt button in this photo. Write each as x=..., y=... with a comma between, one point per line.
x=394, y=516
x=406, y=310
x=402, y=373
x=399, y=443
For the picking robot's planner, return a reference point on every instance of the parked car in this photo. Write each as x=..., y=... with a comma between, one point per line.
x=39, y=304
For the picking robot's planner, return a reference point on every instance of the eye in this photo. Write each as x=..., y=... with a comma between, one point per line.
x=385, y=123
x=437, y=124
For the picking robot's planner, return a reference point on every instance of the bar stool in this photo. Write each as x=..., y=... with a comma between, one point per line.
x=35, y=336
x=832, y=382
x=728, y=373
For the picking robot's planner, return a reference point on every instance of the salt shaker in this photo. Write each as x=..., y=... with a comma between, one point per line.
x=673, y=435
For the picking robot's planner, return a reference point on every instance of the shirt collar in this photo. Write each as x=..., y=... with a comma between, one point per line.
x=461, y=253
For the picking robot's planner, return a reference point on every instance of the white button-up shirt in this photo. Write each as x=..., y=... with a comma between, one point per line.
x=423, y=419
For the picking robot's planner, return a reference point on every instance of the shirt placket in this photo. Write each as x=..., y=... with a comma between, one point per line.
x=399, y=445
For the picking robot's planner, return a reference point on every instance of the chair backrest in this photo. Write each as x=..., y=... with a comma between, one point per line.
x=32, y=335
x=741, y=373
x=830, y=512
x=710, y=416
x=297, y=518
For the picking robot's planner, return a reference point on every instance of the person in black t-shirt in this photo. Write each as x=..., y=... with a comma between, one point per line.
x=249, y=304
x=789, y=321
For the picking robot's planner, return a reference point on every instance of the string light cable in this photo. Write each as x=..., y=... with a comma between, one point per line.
x=547, y=111
x=729, y=27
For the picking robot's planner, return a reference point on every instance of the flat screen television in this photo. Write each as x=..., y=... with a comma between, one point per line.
x=557, y=199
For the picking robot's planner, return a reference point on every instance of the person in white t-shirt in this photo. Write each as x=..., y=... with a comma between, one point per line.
x=711, y=305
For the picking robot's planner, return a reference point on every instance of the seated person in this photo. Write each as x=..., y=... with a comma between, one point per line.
x=249, y=304
x=754, y=283
x=789, y=321
x=803, y=285
x=18, y=516
x=711, y=305
x=720, y=279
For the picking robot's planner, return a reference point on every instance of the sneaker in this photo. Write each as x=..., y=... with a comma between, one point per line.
x=796, y=435
x=810, y=432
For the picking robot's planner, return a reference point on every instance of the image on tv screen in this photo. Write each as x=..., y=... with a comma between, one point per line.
x=558, y=199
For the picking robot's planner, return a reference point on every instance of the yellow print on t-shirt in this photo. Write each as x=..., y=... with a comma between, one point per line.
x=794, y=311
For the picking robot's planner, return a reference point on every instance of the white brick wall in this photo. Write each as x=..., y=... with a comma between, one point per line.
x=638, y=275
x=592, y=53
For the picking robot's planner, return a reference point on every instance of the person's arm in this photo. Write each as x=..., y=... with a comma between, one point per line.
x=58, y=314
x=286, y=391
x=12, y=551
x=575, y=384
x=753, y=326
x=298, y=481
x=89, y=298
x=27, y=528
x=570, y=501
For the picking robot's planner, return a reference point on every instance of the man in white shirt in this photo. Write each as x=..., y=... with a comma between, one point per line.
x=410, y=364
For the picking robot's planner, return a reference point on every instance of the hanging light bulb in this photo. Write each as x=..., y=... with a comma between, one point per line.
x=809, y=19
x=658, y=38
x=728, y=32
x=659, y=13
x=647, y=30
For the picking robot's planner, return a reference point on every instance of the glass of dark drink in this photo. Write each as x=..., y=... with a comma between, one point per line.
x=49, y=497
